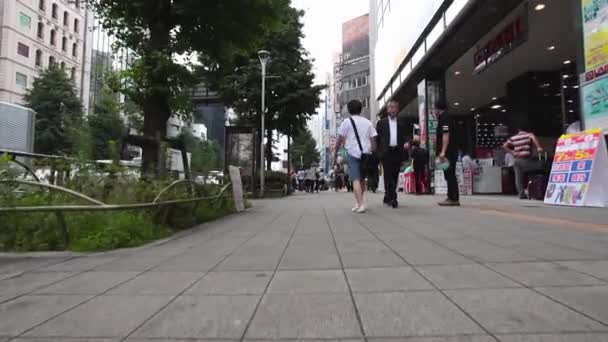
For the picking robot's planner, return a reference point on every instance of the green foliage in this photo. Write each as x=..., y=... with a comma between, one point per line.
x=105, y=124
x=95, y=231
x=59, y=115
x=159, y=30
x=291, y=96
x=304, y=149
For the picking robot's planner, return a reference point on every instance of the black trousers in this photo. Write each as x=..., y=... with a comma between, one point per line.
x=391, y=164
x=419, y=178
x=450, y=177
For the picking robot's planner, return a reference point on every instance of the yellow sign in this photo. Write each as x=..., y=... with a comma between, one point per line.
x=595, y=30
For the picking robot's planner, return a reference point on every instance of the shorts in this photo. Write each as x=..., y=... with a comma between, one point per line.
x=355, y=171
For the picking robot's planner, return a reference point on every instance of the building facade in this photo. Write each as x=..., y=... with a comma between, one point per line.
x=36, y=34
x=352, y=69
x=496, y=64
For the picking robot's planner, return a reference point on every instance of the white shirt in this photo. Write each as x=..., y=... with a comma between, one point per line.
x=366, y=132
x=392, y=124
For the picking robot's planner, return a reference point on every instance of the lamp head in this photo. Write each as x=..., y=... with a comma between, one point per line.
x=264, y=56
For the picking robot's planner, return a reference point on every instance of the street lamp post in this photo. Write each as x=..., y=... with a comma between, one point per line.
x=264, y=57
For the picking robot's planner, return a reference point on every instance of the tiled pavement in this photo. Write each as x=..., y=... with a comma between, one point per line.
x=305, y=268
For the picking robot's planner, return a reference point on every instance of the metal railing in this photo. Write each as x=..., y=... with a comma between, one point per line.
x=98, y=206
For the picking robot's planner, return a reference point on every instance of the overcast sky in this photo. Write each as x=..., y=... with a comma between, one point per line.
x=323, y=28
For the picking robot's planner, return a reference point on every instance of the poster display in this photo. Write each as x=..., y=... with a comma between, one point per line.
x=595, y=103
x=465, y=181
x=237, y=188
x=578, y=174
x=595, y=31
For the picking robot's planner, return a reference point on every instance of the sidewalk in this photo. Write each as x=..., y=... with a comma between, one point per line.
x=306, y=268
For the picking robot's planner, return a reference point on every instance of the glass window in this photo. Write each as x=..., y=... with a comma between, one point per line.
x=66, y=18
x=54, y=11
x=76, y=25
x=21, y=80
x=454, y=9
x=64, y=44
x=23, y=50
x=75, y=50
x=53, y=38
x=40, y=30
x=51, y=61
x=62, y=65
x=73, y=73
x=38, y=58
x=42, y=5
x=25, y=20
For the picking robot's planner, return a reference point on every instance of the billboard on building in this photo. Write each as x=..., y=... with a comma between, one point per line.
x=399, y=23
x=355, y=38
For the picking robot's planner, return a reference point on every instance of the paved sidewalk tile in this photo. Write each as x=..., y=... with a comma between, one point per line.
x=28, y=311
x=386, y=279
x=107, y=316
x=412, y=314
x=463, y=338
x=201, y=317
x=30, y=281
x=473, y=276
x=545, y=274
x=507, y=311
x=555, y=338
x=596, y=268
x=88, y=283
x=292, y=282
x=305, y=316
x=592, y=301
x=157, y=283
x=81, y=264
x=231, y=283
x=60, y=339
x=384, y=258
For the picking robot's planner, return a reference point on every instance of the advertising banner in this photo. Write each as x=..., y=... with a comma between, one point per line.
x=578, y=175
x=595, y=31
x=594, y=97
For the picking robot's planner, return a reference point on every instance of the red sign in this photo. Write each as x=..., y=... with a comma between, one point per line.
x=512, y=35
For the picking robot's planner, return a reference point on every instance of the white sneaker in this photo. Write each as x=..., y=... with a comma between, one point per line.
x=362, y=209
x=355, y=209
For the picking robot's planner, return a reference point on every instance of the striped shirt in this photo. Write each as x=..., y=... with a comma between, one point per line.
x=521, y=143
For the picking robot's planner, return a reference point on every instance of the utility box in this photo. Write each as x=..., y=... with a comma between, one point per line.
x=17, y=128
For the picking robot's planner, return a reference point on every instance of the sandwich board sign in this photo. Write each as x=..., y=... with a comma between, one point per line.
x=579, y=174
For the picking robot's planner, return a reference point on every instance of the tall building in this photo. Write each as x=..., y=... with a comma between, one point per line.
x=36, y=34
x=352, y=69
x=496, y=64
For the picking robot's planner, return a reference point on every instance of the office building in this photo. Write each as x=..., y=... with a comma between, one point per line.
x=36, y=34
x=495, y=63
x=352, y=69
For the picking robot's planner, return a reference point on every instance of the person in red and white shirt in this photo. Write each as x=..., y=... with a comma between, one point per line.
x=520, y=146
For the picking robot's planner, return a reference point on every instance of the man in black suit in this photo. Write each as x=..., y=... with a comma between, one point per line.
x=392, y=137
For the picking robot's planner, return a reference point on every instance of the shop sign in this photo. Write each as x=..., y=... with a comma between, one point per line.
x=422, y=114
x=511, y=36
x=594, y=96
x=595, y=73
x=578, y=175
x=595, y=32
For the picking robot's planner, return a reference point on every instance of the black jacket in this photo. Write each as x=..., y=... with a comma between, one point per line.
x=384, y=138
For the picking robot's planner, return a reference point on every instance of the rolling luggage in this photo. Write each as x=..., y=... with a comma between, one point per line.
x=537, y=187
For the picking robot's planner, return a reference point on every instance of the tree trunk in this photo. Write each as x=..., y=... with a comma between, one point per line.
x=156, y=102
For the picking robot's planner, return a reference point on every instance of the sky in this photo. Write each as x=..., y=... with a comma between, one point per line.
x=323, y=28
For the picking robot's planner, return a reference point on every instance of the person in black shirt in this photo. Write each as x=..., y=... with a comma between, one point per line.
x=446, y=149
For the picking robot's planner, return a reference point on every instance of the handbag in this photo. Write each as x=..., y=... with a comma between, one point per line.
x=366, y=158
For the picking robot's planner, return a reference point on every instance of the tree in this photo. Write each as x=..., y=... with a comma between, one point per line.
x=105, y=123
x=292, y=97
x=59, y=114
x=159, y=30
x=304, y=150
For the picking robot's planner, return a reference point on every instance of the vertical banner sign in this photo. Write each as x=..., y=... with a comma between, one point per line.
x=578, y=175
x=595, y=87
x=422, y=114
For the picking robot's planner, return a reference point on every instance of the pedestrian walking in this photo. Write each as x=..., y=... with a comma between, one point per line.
x=392, y=137
x=420, y=163
x=311, y=177
x=359, y=136
x=447, y=152
x=520, y=146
